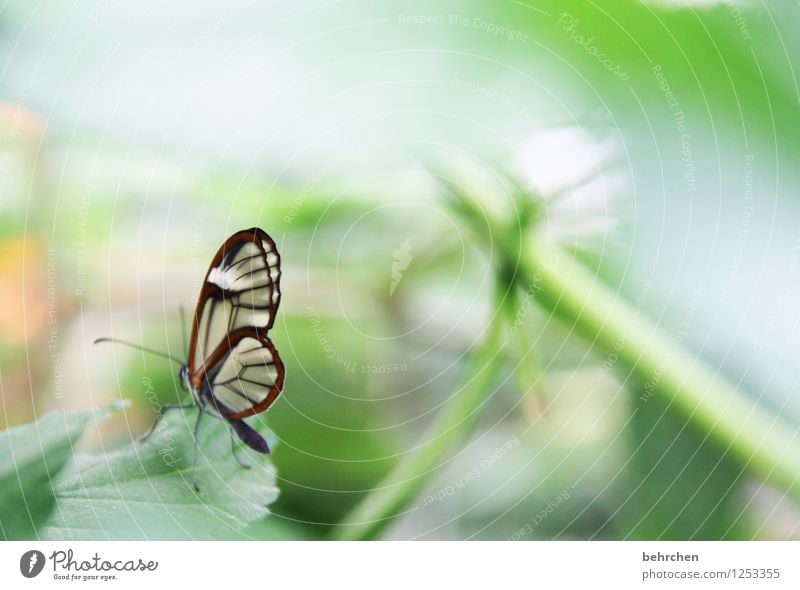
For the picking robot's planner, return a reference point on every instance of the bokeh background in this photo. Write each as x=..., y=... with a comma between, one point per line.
x=662, y=138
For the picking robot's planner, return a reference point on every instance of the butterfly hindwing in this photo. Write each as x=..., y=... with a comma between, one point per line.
x=246, y=374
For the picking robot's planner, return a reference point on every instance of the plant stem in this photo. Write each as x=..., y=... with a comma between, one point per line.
x=522, y=345
x=760, y=441
x=389, y=499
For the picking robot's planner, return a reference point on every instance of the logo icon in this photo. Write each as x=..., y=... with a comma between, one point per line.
x=31, y=563
x=402, y=260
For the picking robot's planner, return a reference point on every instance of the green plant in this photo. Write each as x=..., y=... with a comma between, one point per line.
x=139, y=491
x=742, y=432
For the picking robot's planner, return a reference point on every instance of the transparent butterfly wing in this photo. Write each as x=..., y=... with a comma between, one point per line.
x=230, y=354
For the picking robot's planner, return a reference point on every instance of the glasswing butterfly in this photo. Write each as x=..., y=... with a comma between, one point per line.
x=233, y=370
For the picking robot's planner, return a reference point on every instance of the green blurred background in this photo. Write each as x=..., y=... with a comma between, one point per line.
x=135, y=137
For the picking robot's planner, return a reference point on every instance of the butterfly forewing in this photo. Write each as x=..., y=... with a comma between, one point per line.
x=230, y=356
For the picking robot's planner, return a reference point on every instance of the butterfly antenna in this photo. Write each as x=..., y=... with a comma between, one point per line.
x=140, y=347
x=183, y=331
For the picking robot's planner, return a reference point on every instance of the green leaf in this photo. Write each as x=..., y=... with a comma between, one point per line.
x=145, y=490
x=31, y=456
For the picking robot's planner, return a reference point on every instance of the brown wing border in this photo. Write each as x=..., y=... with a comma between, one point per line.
x=212, y=291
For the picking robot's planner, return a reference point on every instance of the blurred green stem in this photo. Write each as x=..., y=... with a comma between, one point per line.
x=522, y=344
x=760, y=441
x=391, y=496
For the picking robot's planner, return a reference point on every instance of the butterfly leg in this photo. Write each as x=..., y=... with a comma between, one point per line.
x=194, y=451
x=160, y=415
x=235, y=449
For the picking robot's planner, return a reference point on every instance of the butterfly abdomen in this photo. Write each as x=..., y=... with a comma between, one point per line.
x=250, y=437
